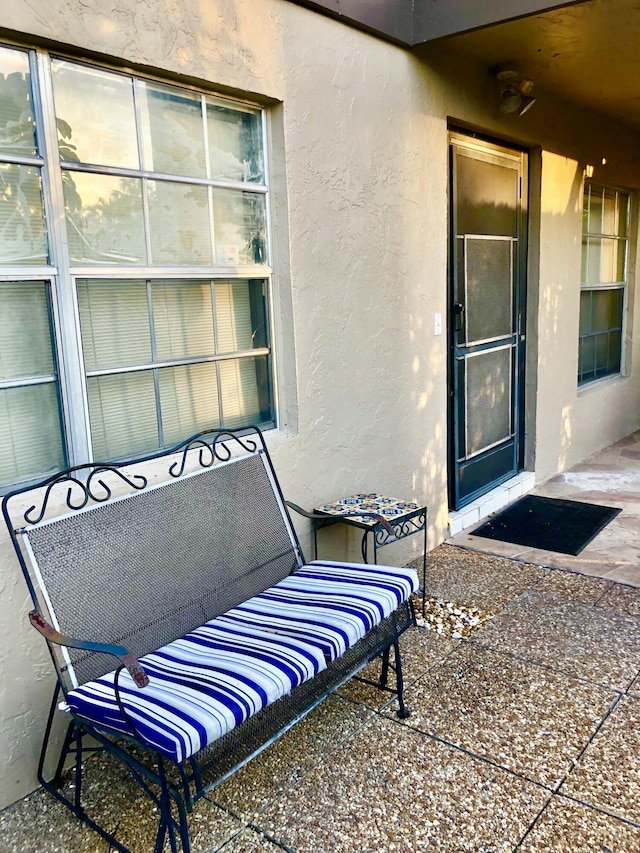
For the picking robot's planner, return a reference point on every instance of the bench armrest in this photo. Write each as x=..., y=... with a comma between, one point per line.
x=136, y=671
x=380, y=519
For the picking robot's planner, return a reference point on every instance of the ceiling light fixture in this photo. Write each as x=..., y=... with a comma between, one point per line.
x=515, y=92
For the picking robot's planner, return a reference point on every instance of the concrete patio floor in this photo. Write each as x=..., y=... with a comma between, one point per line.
x=522, y=737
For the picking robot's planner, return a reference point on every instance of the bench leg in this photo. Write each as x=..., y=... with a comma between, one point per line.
x=403, y=712
x=384, y=672
x=167, y=825
x=175, y=829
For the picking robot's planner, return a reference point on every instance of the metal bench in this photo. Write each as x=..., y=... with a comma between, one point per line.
x=185, y=627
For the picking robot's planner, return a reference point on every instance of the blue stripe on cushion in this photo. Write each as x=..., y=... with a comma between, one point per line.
x=331, y=640
x=328, y=604
x=201, y=686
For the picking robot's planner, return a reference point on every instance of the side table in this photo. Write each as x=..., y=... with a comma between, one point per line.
x=405, y=517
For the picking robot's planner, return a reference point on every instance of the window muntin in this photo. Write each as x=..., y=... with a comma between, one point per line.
x=603, y=282
x=151, y=178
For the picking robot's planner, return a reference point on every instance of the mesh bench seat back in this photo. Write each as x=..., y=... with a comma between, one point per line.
x=143, y=570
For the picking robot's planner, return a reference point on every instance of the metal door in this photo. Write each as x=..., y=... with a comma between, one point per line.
x=486, y=315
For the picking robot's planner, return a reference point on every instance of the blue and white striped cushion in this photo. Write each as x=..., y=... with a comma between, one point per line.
x=214, y=678
x=201, y=686
x=330, y=605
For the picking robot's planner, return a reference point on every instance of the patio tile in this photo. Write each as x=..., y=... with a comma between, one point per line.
x=392, y=788
x=625, y=574
x=254, y=787
x=582, y=641
x=40, y=824
x=608, y=774
x=420, y=649
x=476, y=579
x=622, y=599
x=523, y=717
x=573, y=586
x=565, y=825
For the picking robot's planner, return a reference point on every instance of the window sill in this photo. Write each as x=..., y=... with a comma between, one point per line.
x=598, y=384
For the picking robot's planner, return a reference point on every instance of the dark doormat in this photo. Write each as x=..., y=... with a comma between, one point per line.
x=549, y=524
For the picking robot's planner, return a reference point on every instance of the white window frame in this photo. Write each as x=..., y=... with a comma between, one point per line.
x=62, y=275
x=621, y=286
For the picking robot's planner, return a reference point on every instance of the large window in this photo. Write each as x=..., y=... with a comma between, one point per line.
x=604, y=278
x=134, y=264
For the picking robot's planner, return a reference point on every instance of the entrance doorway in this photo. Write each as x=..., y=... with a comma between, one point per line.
x=487, y=298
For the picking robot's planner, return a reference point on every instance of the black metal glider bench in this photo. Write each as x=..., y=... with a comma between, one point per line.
x=185, y=627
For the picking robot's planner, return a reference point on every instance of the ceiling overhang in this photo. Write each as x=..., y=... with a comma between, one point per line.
x=414, y=22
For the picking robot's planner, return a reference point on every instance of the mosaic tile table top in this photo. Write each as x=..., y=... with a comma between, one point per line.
x=389, y=508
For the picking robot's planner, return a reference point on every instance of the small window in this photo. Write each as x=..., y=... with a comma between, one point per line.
x=603, y=282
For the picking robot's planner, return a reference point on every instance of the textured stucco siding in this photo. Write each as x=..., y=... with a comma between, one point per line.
x=359, y=171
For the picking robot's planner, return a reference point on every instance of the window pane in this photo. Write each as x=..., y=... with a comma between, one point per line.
x=235, y=144
x=180, y=225
x=105, y=222
x=245, y=392
x=615, y=350
x=30, y=433
x=122, y=409
x=114, y=321
x=585, y=312
x=22, y=231
x=606, y=260
x=183, y=319
x=595, y=211
x=600, y=313
x=240, y=315
x=615, y=308
x=587, y=359
x=623, y=214
x=25, y=342
x=584, y=266
x=609, y=212
x=17, y=124
x=95, y=115
x=240, y=227
x=189, y=401
x=172, y=130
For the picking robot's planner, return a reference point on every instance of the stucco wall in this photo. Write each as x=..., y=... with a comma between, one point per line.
x=360, y=180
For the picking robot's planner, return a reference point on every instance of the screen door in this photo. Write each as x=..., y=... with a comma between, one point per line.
x=486, y=315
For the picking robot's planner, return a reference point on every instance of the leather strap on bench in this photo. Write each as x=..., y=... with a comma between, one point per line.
x=136, y=671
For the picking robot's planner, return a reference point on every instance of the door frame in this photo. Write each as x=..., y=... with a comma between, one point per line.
x=487, y=143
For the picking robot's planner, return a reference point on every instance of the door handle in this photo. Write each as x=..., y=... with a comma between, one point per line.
x=458, y=313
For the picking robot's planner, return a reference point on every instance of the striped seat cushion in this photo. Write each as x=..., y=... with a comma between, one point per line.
x=329, y=605
x=201, y=686
x=206, y=683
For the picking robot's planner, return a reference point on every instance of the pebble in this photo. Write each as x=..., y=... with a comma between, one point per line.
x=450, y=618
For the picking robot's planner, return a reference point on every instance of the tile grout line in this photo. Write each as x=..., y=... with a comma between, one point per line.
x=533, y=823
x=545, y=666
x=599, y=809
x=597, y=729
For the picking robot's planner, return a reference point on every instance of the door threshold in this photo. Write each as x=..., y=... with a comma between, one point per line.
x=493, y=501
